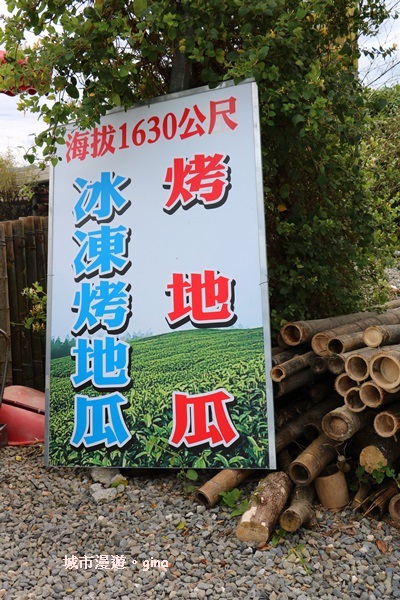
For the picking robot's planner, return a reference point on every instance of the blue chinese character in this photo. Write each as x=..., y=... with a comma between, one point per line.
x=101, y=199
x=105, y=305
x=102, y=361
x=100, y=421
x=103, y=251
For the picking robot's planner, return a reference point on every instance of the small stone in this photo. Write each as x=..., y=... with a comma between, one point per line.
x=104, y=495
x=103, y=475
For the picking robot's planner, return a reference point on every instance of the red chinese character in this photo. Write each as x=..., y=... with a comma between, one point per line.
x=202, y=418
x=189, y=129
x=102, y=140
x=222, y=108
x=78, y=145
x=206, y=299
x=204, y=179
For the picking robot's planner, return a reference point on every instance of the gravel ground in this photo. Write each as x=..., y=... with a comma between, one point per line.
x=49, y=514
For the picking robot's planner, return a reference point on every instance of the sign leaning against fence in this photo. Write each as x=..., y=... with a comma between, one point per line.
x=158, y=332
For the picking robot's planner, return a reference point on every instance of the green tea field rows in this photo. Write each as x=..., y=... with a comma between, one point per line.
x=194, y=362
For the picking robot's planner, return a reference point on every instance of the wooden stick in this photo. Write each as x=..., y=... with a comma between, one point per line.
x=226, y=480
x=300, y=510
x=266, y=504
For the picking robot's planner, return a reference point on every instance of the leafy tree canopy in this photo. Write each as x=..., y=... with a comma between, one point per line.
x=321, y=219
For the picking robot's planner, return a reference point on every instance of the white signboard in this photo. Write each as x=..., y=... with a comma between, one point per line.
x=159, y=326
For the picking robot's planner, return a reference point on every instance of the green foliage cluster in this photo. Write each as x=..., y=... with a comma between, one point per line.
x=381, y=146
x=191, y=361
x=37, y=297
x=323, y=224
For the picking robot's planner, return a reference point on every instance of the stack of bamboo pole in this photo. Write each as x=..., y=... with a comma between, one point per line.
x=346, y=370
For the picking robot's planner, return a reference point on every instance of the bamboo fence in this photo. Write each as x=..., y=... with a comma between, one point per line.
x=23, y=261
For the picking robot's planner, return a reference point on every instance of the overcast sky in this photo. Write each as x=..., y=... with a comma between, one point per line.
x=17, y=129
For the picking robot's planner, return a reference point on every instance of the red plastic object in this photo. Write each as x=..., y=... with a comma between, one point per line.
x=22, y=411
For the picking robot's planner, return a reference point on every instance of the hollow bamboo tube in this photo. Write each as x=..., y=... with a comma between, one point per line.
x=394, y=508
x=331, y=488
x=266, y=504
x=380, y=335
x=294, y=429
x=343, y=383
x=336, y=363
x=341, y=424
x=319, y=391
x=226, y=480
x=293, y=383
x=380, y=452
x=346, y=343
x=385, y=368
x=357, y=364
x=387, y=422
x=285, y=355
x=290, y=367
x=320, y=340
x=374, y=396
x=353, y=401
x=300, y=510
x=361, y=494
x=313, y=460
x=318, y=364
x=299, y=332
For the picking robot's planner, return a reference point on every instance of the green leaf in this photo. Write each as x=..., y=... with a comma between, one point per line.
x=192, y=475
x=301, y=13
x=72, y=91
x=139, y=6
x=115, y=99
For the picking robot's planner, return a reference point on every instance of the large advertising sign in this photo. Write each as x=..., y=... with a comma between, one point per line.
x=158, y=332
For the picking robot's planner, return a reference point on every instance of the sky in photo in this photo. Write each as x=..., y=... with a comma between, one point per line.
x=18, y=129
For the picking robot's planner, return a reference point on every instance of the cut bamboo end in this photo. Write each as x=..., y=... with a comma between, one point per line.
x=291, y=333
x=343, y=383
x=318, y=365
x=373, y=336
x=277, y=373
x=341, y=424
x=336, y=364
x=209, y=494
x=310, y=463
x=372, y=458
x=331, y=488
x=386, y=424
x=394, y=508
x=319, y=344
x=335, y=346
x=371, y=394
x=357, y=367
x=353, y=401
x=385, y=369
